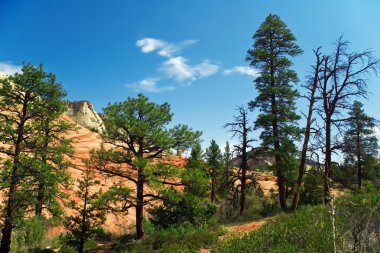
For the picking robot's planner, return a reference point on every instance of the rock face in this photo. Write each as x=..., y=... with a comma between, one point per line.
x=83, y=113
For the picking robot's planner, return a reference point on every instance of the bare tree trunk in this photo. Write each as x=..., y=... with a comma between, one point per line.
x=326, y=187
x=243, y=182
x=301, y=169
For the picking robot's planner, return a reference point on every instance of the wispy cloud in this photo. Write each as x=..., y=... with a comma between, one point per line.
x=243, y=70
x=7, y=68
x=150, y=85
x=177, y=68
x=163, y=48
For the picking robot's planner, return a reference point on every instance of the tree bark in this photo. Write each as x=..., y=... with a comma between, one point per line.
x=14, y=181
x=358, y=148
x=140, y=205
x=326, y=187
x=84, y=231
x=302, y=166
x=212, y=195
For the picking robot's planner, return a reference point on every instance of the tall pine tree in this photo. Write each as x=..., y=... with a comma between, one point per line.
x=273, y=44
x=25, y=99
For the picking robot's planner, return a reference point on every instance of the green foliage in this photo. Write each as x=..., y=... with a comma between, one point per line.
x=273, y=43
x=360, y=145
x=312, y=188
x=303, y=231
x=226, y=184
x=310, y=228
x=214, y=159
x=31, y=235
x=179, y=239
x=190, y=205
x=35, y=157
x=89, y=216
x=138, y=130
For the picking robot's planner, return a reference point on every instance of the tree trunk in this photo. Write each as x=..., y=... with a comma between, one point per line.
x=84, y=230
x=327, y=196
x=301, y=169
x=359, y=157
x=244, y=167
x=6, y=232
x=212, y=197
x=8, y=223
x=140, y=205
x=41, y=185
x=243, y=188
x=40, y=199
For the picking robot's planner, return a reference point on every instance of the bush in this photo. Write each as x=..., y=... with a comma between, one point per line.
x=174, y=239
x=312, y=189
x=30, y=236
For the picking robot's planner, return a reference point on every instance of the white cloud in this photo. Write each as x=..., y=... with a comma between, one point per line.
x=243, y=70
x=177, y=68
x=150, y=85
x=163, y=48
x=7, y=68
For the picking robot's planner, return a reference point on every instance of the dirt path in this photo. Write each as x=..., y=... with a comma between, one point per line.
x=240, y=230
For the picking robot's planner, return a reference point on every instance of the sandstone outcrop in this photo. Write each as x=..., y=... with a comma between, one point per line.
x=84, y=114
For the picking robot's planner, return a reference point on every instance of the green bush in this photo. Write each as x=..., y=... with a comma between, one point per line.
x=312, y=189
x=174, y=239
x=29, y=236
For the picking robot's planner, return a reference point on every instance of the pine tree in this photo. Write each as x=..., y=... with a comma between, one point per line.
x=25, y=98
x=273, y=44
x=137, y=130
x=214, y=162
x=90, y=215
x=226, y=182
x=360, y=142
x=51, y=149
x=190, y=205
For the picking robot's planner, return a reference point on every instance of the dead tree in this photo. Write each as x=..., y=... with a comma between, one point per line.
x=343, y=77
x=240, y=129
x=311, y=86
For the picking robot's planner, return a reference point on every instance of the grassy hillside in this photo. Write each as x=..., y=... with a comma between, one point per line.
x=310, y=229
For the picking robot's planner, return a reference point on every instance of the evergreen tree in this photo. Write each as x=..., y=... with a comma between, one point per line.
x=137, y=130
x=226, y=182
x=90, y=216
x=51, y=149
x=360, y=142
x=190, y=205
x=214, y=161
x=273, y=44
x=25, y=99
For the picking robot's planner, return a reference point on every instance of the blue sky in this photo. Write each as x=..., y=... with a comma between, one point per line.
x=189, y=53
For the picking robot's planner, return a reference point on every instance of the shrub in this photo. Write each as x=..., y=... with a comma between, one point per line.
x=29, y=236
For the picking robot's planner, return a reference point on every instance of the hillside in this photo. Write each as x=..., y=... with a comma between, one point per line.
x=85, y=138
